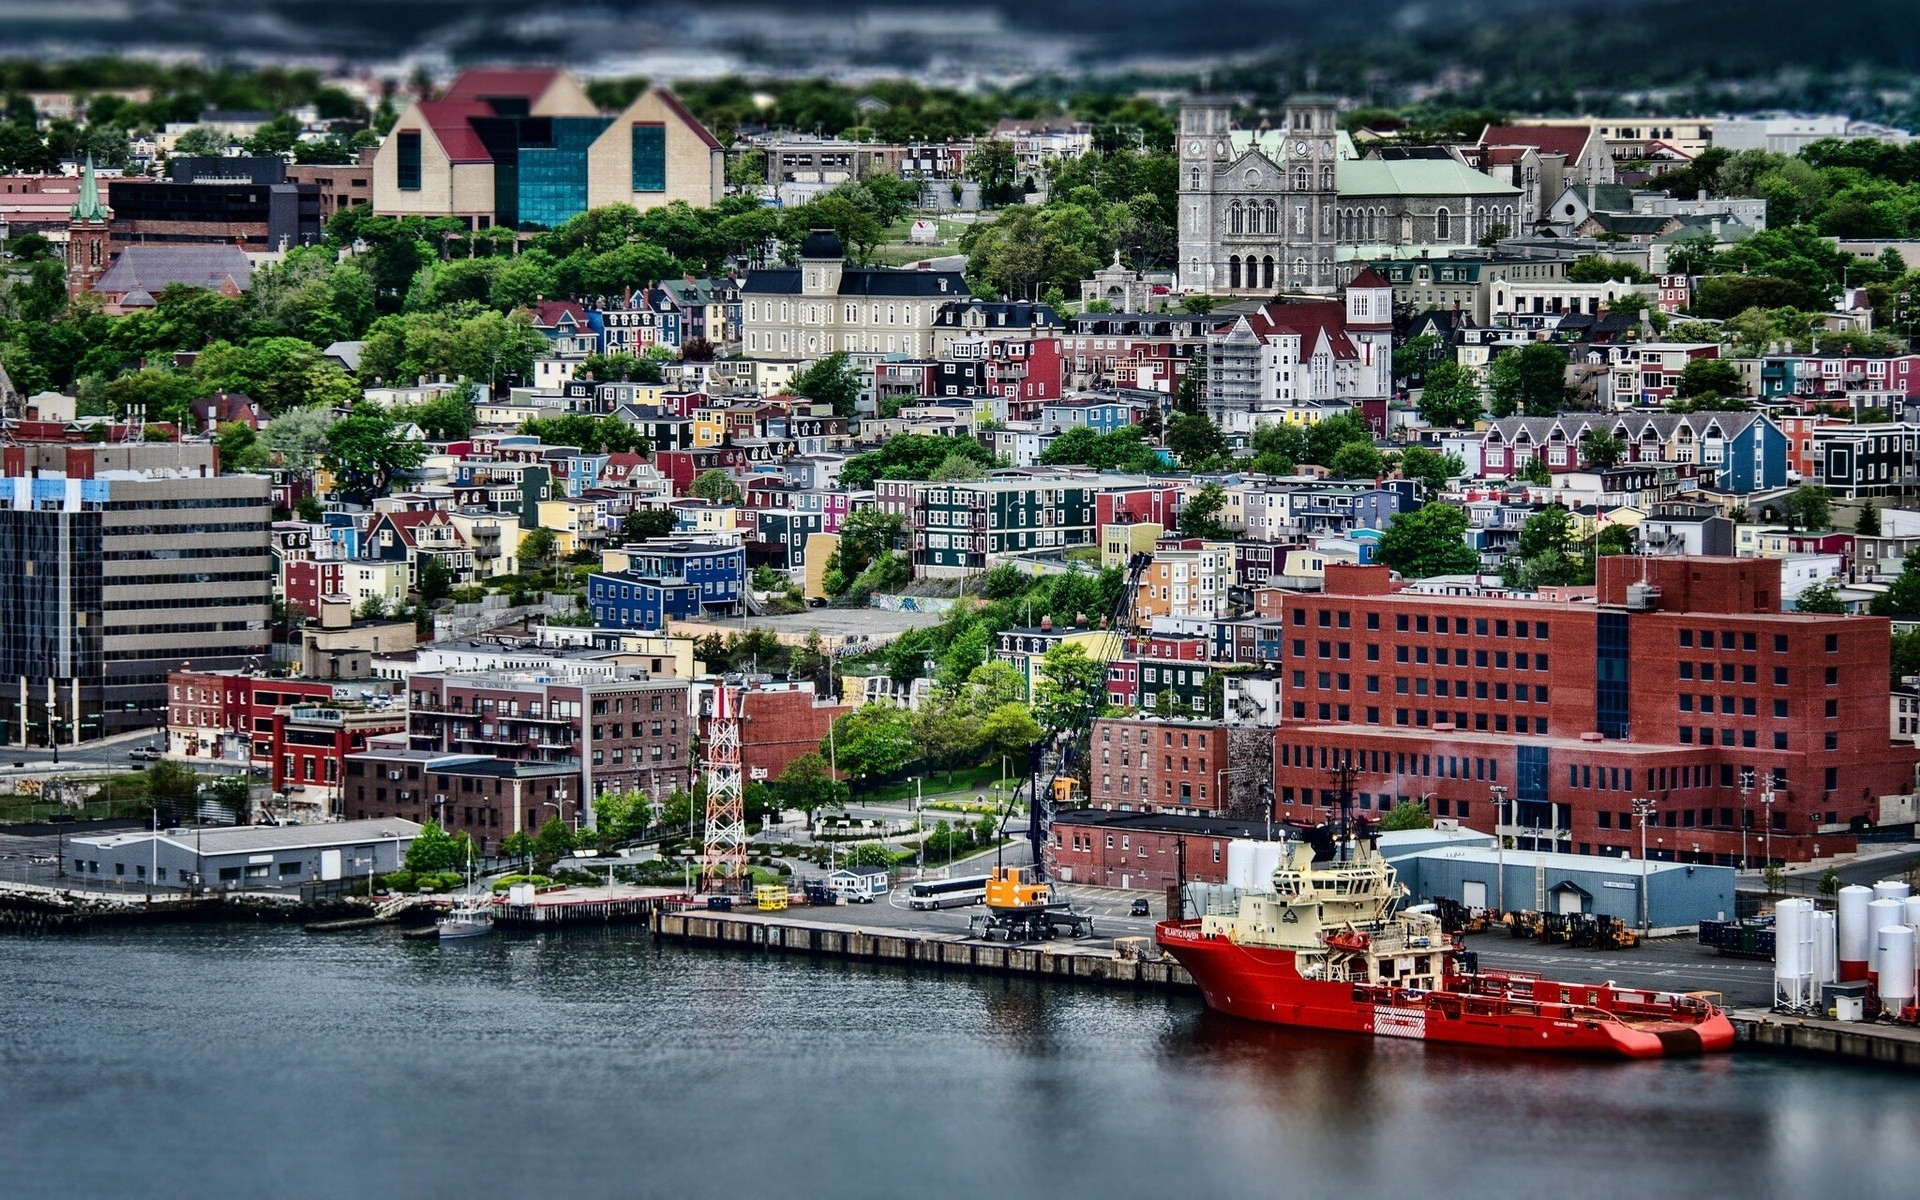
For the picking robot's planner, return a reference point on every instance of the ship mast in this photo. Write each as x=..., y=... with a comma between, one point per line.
x=1342, y=774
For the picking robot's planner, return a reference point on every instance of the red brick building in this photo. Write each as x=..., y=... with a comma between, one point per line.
x=485, y=797
x=1140, y=764
x=1682, y=684
x=312, y=741
x=1142, y=850
x=620, y=735
x=230, y=714
x=779, y=722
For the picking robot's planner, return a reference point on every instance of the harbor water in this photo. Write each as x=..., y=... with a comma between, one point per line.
x=243, y=1060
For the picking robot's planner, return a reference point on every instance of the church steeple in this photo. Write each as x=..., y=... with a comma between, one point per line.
x=89, y=207
x=88, y=235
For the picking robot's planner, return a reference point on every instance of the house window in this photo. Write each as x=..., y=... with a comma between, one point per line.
x=408, y=165
x=649, y=157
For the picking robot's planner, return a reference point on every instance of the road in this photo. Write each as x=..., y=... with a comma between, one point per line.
x=93, y=758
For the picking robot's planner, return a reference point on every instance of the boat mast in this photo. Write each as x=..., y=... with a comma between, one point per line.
x=1342, y=773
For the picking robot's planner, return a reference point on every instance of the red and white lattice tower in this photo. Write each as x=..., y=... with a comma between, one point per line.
x=724, y=860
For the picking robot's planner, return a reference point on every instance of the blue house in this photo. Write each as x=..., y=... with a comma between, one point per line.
x=717, y=571
x=630, y=601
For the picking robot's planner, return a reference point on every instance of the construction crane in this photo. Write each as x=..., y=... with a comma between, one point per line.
x=724, y=858
x=1044, y=801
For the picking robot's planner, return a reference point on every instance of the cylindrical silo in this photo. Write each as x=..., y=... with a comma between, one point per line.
x=1880, y=914
x=1895, y=943
x=1824, y=962
x=1792, y=952
x=1855, y=935
x=1913, y=911
x=1891, y=889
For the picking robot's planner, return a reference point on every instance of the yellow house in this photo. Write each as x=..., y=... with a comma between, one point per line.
x=575, y=524
x=820, y=547
x=709, y=428
x=1119, y=543
x=707, y=517
x=1025, y=648
x=495, y=542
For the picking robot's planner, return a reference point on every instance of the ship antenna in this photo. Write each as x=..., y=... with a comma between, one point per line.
x=1342, y=772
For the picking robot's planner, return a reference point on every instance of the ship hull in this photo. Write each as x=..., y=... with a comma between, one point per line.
x=1260, y=984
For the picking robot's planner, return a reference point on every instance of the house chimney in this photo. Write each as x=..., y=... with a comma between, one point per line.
x=1716, y=229
x=1701, y=196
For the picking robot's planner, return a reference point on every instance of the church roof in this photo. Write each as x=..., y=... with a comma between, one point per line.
x=1417, y=177
x=1369, y=278
x=89, y=208
x=151, y=268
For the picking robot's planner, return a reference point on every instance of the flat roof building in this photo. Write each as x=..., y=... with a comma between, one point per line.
x=245, y=857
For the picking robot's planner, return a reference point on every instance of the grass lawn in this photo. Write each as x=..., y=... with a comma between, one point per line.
x=967, y=779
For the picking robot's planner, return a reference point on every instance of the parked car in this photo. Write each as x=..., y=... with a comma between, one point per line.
x=144, y=754
x=1141, y=908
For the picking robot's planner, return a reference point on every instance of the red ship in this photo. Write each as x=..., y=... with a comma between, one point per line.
x=1326, y=950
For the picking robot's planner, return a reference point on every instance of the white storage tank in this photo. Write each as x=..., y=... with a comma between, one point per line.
x=1896, y=988
x=1793, y=952
x=1880, y=914
x=1913, y=911
x=1891, y=889
x=1854, y=934
x=1825, y=963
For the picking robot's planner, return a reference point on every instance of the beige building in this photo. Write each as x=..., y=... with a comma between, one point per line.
x=527, y=149
x=823, y=305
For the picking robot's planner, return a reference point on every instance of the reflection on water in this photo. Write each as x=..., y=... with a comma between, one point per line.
x=237, y=1060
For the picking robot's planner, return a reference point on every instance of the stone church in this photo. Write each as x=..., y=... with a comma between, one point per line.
x=1292, y=207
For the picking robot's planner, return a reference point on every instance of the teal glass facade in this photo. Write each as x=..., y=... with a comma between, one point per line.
x=552, y=176
x=649, y=157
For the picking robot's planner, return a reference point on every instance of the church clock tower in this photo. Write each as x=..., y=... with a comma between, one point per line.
x=1313, y=193
x=1204, y=148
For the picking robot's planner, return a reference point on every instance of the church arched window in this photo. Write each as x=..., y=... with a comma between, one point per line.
x=1233, y=217
x=1266, y=269
x=1300, y=179
x=1442, y=225
x=1326, y=178
x=1273, y=217
x=1233, y=271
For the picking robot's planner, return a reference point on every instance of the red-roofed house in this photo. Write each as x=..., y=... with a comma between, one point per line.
x=1566, y=155
x=443, y=158
x=1300, y=363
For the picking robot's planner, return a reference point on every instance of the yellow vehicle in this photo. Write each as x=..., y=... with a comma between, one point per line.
x=770, y=897
x=1016, y=890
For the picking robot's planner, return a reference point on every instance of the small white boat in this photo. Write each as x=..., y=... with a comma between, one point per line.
x=470, y=917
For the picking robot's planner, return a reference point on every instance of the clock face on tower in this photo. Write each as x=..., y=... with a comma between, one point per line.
x=1299, y=147
x=1193, y=148
x=1326, y=148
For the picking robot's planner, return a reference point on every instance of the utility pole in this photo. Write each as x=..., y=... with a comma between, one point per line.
x=1746, y=818
x=1500, y=847
x=1766, y=807
x=1644, y=810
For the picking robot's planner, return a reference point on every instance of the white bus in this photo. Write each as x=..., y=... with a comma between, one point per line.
x=948, y=893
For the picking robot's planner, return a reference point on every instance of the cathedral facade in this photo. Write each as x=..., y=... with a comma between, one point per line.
x=1292, y=208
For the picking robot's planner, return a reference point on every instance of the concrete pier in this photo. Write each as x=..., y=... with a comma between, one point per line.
x=619, y=904
x=1854, y=1041
x=1044, y=960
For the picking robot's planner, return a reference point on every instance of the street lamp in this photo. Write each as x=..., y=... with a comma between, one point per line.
x=1644, y=810
x=1500, y=846
x=1746, y=819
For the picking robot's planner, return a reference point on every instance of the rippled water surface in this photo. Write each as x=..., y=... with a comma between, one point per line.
x=261, y=1061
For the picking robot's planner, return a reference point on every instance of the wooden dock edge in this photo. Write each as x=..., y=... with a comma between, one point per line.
x=919, y=950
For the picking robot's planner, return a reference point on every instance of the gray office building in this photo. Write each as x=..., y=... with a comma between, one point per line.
x=247, y=857
x=119, y=563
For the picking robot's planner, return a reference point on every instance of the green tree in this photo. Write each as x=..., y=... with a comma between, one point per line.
x=1070, y=688
x=365, y=451
x=443, y=418
x=1808, y=507
x=1406, y=815
x=202, y=141
x=995, y=167
x=299, y=438
x=1708, y=377
x=1195, y=439
x=1614, y=539
x=240, y=447
x=1009, y=730
x=1822, y=597
x=436, y=578
x=1530, y=380
x=536, y=547
x=373, y=607
x=1429, y=541
x=1868, y=524
x=955, y=468
x=644, y=523
x=715, y=485
x=808, y=785
x=157, y=394
x=1357, y=460
x=518, y=844
x=1902, y=597
x=1200, y=515
x=1535, y=471
x=1602, y=449
x=554, y=839
x=832, y=380
x=967, y=651
x=433, y=850
x=1432, y=468
x=948, y=735
x=1546, y=553
x=282, y=373
x=1593, y=268
x=1450, y=396
x=874, y=740
x=1325, y=438
x=869, y=854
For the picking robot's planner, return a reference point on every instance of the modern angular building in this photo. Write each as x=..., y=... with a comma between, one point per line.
x=119, y=563
x=526, y=149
